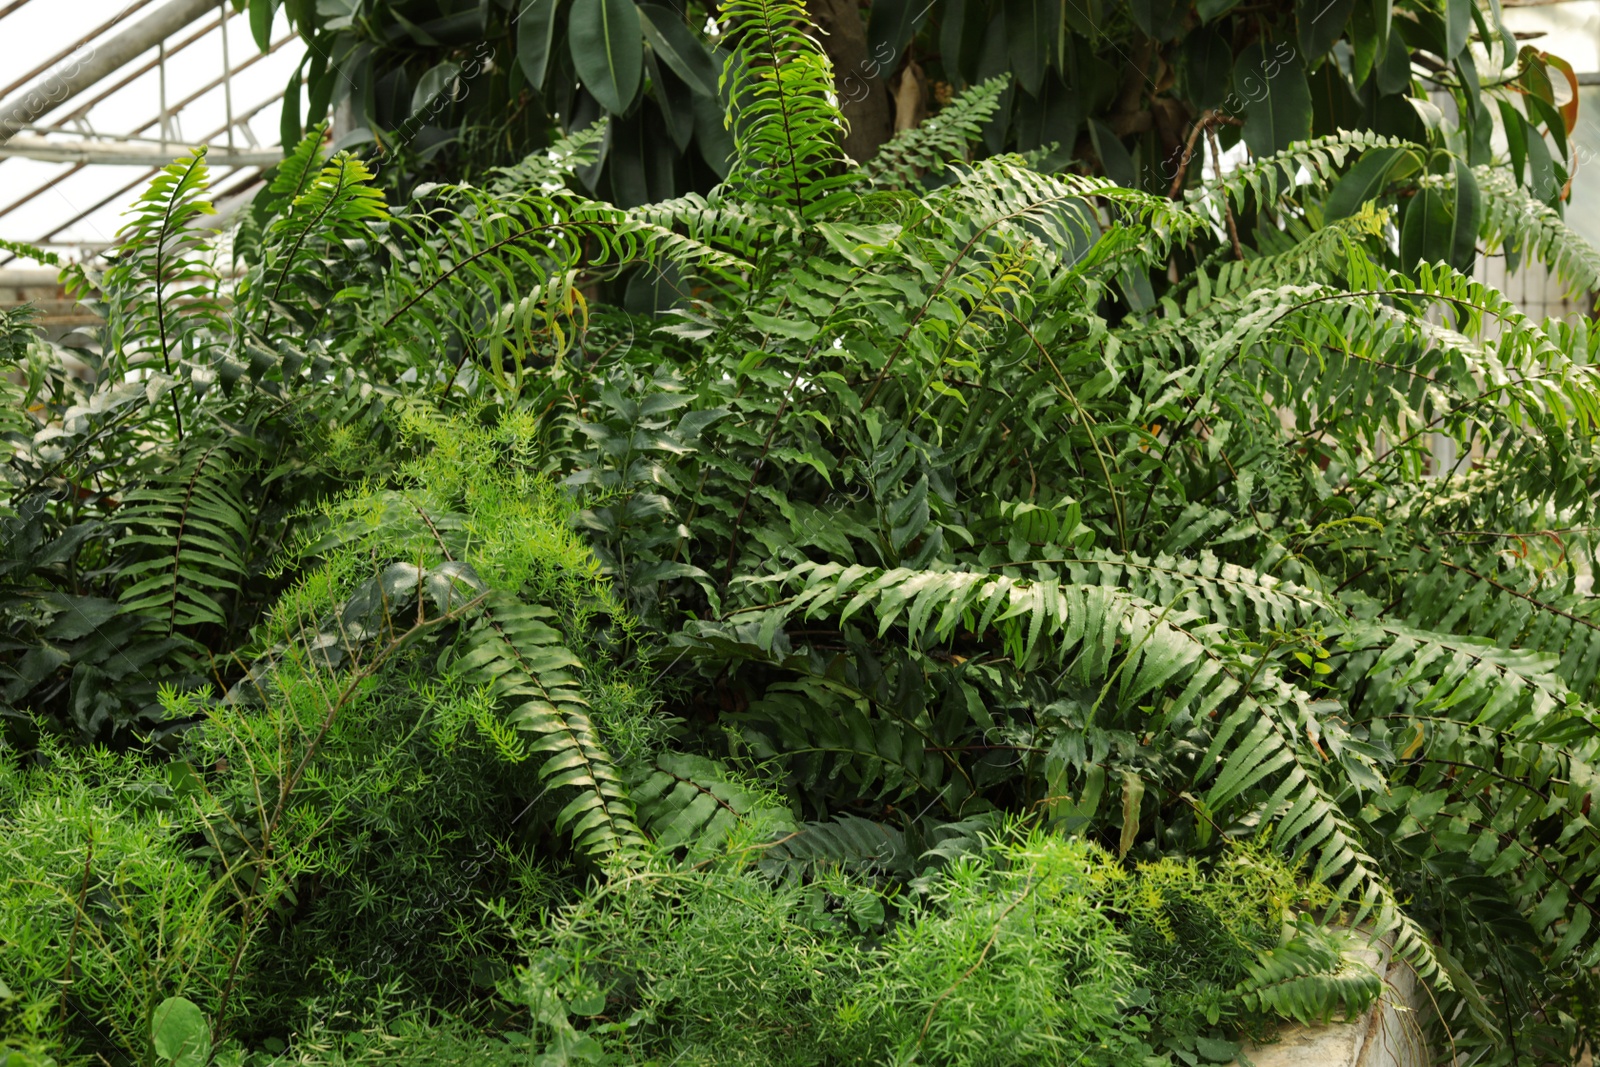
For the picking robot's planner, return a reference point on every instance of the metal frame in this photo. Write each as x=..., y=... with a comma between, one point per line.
x=140, y=39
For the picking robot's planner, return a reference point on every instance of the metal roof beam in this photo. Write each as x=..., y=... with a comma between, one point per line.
x=127, y=153
x=107, y=56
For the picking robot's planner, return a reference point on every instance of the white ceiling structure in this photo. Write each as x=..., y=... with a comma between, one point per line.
x=95, y=95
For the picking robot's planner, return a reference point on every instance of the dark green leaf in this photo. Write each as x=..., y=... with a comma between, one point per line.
x=1277, y=98
x=1466, y=217
x=438, y=83
x=289, y=124
x=1516, y=142
x=1114, y=157
x=961, y=29
x=1457, y=26
x=1363, y=182
x=1427, y=230
x=1320, y=23
x=607, y=45
x=679, y=48
x=1209, y=10
x=675, y=101
x=1541, y=168
x=1394, y=67
x=890, y=26
x=716, y=143
x=261, y=12
x=1160, y=19
x=536, y=27
x=1206, y=64
x=1030, y=29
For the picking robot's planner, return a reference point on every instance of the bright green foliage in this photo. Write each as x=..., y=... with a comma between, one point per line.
x=106, y=912
x=923, y=152
x=1007, y=956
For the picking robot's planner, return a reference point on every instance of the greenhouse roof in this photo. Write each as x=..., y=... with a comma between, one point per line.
x=97, y=94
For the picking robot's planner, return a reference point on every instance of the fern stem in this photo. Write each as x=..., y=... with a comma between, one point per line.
x=305, y=231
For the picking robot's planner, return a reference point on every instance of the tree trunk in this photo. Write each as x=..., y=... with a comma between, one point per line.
x=863, y=96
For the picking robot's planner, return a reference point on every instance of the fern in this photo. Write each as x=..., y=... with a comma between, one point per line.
x=846, y=841
x=1524, y=227
x=547, y=170
x=691, y=801
x=339, y=203
x=786, y=130
x=1309, y=978
x=1117, y=643
x=519, y=655
x=189, y=529
x=1314, y=162
x=162, y=290
x=943, y=139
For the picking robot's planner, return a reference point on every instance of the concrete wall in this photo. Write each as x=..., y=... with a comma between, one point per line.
x=1389, y=1035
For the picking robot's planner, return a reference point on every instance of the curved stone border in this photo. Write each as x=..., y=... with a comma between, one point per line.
x=1389, y=1035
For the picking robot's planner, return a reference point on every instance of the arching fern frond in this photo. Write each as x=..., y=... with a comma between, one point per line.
x=941, y=139
x=339, y=203
x=692, y=802
x=847, y=841
x=547, y=170
x=520, y=656
x=162, y=291
x=1310, y=978
x=1314, y=162
x=1260, y=755
x=1515, y=221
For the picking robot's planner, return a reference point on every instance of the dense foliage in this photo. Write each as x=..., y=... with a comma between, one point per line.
x=1015, y=621
x=1138, y=92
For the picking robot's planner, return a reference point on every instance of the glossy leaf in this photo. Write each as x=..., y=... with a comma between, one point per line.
x=1466, y=217
x=606, y=41
x=1277, y=98
x=536, y=28
x=1427, y=233
x=1319, y=24
x=1457, y=26
x=1159, y=19
x=1210, y=10
x=261, y=13
x=1363, y=182
x=435, y=87
x=1030, y=30
x=679, y=47
x=1206, y=63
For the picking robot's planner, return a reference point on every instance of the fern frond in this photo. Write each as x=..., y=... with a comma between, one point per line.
x=300, y=167
x=1310, y=978
x=188, y=529
x=1133, y=650
x=339, y=204
x=786, y=126
x=547, y=170
x=1515, y=221
x=161, y=291
x=517, y=653
x=847, y=841
x=1314, y=162
x=688, y=801
x=942, y=139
